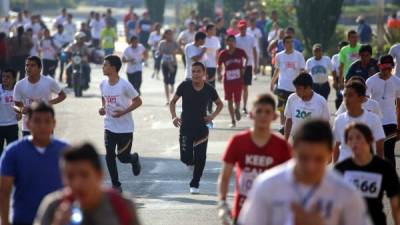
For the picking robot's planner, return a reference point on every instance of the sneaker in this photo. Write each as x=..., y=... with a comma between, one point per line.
x=244, y=111
x=118, y=188
x=136, y=164
x=232, y=125
x=282, y=130
x=238, y=115
x=194, y=191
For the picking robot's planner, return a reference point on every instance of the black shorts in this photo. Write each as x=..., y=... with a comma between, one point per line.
x=248, y=75
x=283, y=96
x=211, y=73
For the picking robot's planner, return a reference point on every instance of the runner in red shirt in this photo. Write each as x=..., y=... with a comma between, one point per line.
x=252, y=152
x=233, y=59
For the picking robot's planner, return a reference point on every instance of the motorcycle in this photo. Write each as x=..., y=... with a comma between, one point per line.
x=78, y=80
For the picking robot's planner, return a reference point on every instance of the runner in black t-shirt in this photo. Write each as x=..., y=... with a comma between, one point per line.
x=370, y=174
x=193, y=139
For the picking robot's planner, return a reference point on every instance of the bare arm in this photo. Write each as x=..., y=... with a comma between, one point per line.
x=336, y=152
x=379, y=148
x=223, y=181
x=341, y=78
x=398, y=112
x=394, y=204
x=6, y=183
x=199, y=56
x=274, y=79
x=255, y=58
x=218, y=109
x=288, y=127
x=145, y=55
x=19, y=107
x=61, y=97
x=172, y=108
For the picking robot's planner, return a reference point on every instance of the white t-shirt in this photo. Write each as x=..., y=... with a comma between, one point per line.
x=136, y=54
x=247, y=43
x=191, y=50
x=60, y=19
x=154, y=39
x=335, y=63
x=370, y=105
x=368, y=118
x=385, y=92
x=300, y=111
x=5, y=27
x=7, y=114
x=35, y=49
x=26, y=92
x=319, y=69
x=36, y=28
x=186, y=36
x=69, y=31
x=48, y=50
x=289, y=66
x=60, y=39
x=118, y=97
x=96, y=27
x=213, y=45
x=395, y=52
x=340, y=203
x=256, y=33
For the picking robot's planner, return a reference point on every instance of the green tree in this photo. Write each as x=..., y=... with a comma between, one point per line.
x=232, y=6
x=206, y=8
x=285, y=11
x=156, y=9
x=317, y=20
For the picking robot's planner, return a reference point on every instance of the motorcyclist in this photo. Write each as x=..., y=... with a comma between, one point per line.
x=79, y=47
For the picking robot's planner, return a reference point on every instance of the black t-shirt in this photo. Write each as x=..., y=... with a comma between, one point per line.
x=356, y=69
x=372, y=180
x=194, y=103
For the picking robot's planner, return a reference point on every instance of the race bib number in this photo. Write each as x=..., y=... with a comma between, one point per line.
x=368, y=183
x=7, y=99
x=302, y=114
x=232, y=74
x=246, y=182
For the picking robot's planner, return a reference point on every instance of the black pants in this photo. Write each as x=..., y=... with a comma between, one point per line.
x=135, y=79
x=157, y=60
x=211, y=80
x=322, y=89
x=123, y=143
x=390, y=143
x=8, y=134
x=169, y=73
x=195, y=154
x=49, y=67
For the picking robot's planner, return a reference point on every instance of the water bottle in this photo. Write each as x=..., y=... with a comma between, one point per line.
x=76, y=214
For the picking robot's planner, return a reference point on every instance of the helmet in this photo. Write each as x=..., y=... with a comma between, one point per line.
x=79, y=35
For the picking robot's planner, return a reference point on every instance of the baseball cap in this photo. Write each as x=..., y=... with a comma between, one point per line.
x=242, y=23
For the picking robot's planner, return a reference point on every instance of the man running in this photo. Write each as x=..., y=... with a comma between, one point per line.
x=194, y=52
x=289, y=64
x=193, y=136
x=354, y=97
x=251, y=152
x=304, y=191
x=30, y=167
x=34, y=88
x=119, y=98
x=384, y=88
x=248, y=43
x=233, y=61
x=303, y=105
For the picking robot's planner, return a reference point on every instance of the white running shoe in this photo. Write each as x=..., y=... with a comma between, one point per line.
x=194, y=191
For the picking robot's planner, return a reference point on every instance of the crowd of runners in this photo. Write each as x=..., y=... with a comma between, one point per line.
x=315, y=171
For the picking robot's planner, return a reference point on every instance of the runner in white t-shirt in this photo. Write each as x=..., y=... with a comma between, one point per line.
x=288, y=65
x=133, y=56
x=320, y=68
x=335, y=67
x=303, y=105
x=186, y=37
x=194, y=52
x=395, y=52
x=354, y=94
x=248, y=43
x=8, y=117
x=119, y=98
x=304, y=191
x=385, y=89
x=70, y=28
x=35, y=88
x=153, y=41
x=96, y=25
x=49, y=51
x=212, y=44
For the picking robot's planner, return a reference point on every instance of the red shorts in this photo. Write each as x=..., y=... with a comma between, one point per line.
x=233, y=92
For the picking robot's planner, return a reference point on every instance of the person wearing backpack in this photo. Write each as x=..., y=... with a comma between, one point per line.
x=83, y=200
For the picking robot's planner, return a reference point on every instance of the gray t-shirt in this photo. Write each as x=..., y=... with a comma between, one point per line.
x=104, y=214
x=168, y=50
